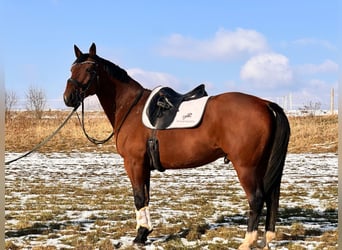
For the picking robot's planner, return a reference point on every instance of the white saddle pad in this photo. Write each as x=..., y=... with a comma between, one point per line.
x=189, y=114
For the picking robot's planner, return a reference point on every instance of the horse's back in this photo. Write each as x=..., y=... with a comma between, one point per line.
x=240, y=101
x=238, y=107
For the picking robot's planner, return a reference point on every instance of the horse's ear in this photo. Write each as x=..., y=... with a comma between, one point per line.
x=78, y=52
x=92, y=50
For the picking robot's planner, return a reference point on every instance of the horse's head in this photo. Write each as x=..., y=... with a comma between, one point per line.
x=84, y=77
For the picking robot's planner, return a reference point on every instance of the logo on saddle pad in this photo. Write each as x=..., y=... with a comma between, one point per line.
x=167, y=109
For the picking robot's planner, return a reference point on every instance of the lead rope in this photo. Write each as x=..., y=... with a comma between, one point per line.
x=96, y=141
x=45, y=140
x=91, y=139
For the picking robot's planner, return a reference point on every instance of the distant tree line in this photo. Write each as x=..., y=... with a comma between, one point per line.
x=35, y=101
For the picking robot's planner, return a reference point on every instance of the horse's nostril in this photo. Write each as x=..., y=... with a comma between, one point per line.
x=69, y=100
x=72, y=100
x=66, y=100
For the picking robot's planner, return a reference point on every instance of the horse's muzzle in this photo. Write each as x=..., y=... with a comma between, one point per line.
x=73, y=99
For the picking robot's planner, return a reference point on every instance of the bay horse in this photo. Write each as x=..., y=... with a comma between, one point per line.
x=250, y=132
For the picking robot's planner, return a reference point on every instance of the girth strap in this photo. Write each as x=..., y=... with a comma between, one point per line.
x=153, y=153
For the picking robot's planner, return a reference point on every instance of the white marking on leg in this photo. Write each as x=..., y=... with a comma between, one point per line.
x=143, y=218
x=269, y=236
x=148, y=216
x=250, y=239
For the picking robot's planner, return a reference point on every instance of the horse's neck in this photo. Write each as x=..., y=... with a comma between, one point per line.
x=117, y=99
x=126, y=94
x=108, y=107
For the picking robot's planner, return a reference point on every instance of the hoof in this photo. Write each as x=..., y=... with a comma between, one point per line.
x=269, y=236
x=244, y=247
x=142, y=234
x=250, y=240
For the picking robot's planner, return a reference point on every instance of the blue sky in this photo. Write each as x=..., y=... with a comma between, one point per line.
x=272, y=49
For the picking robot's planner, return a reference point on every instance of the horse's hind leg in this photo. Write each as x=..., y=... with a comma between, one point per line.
x=272, y=204
x=255, y=196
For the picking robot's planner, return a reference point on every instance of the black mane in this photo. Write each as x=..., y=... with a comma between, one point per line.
x=111, y=68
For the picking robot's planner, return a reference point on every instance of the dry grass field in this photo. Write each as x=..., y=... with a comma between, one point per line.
x=309, y=134
x=84, y=201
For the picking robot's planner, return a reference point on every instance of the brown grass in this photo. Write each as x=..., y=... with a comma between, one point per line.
x=314, y=134
x=23, y=131
x=309, y=134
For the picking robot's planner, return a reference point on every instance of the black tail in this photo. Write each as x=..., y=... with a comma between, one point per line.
x=281, y=137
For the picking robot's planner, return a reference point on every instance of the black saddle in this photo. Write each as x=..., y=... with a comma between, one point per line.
x=165, y=103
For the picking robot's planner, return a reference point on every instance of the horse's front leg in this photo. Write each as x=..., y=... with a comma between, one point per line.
x=139, y=176
x=144, y=224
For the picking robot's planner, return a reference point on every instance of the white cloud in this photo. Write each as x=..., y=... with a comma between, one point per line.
x=152, y=79
x=327, y=66
x=315, y=42
x=267, y=70
x=225, y=45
